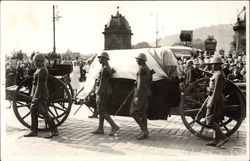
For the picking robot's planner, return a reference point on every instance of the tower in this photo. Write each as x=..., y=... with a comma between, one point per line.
x=240, y=32
x=117, y=33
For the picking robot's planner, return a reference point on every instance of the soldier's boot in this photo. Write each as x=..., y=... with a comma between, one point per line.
x=144, y=133
x=145, y=122
x=114, y=127
x=221, y=139
x=95, y=114
x=52, y=127
x=138, y=120
x=31, y=134
x=99, y=130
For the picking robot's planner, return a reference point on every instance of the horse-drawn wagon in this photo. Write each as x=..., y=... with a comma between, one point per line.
x=166, y=99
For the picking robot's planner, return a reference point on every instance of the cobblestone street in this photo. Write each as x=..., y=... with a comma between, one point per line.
x=167, y=139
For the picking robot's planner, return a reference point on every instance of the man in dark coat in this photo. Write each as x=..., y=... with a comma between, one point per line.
x=215, y=102
x=139, y=105
x=103, y=92
x=193, y=74
x=40, y=98
x=235, y=76
x=226, y=69
x=20, y=74
x=10, y=75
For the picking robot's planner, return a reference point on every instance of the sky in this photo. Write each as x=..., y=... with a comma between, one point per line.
x=27, y=26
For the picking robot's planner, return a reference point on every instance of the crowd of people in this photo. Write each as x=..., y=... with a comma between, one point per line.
x=16, y=70
x=196, y=67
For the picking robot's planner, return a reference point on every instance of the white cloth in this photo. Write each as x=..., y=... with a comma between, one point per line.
x=161, y=60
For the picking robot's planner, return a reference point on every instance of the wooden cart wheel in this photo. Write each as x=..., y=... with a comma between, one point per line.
x=59, y=102
x=68, y=85
x=193, y=98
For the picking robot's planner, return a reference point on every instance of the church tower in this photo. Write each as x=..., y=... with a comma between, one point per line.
x=117, y=33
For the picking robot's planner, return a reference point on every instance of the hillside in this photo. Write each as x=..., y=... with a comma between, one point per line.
x=222, y=33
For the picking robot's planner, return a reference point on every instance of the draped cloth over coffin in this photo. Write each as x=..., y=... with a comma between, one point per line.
x=161, y=60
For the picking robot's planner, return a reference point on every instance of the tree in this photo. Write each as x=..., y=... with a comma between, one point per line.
x=198, y=44
x=142, y=44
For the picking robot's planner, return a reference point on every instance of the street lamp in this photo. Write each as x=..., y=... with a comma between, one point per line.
x=156, y=29
x=55, y=17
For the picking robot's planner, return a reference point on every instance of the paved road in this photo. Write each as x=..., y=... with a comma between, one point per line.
x=168, y=139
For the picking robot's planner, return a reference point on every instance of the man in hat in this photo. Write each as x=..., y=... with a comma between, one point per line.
x=103, y=92
x=40, y=98
x=215, y=102
x=139, y=105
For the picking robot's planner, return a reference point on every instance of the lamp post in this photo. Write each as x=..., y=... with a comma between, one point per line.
x=55, y=17
x=54, y=31
x=156, y=30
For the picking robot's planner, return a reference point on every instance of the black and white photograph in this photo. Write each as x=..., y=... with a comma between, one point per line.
x=124, y=80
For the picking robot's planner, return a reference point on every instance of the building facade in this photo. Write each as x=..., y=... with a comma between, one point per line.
x=117, y=33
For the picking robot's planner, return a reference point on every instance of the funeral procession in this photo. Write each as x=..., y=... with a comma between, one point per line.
x=102, y=80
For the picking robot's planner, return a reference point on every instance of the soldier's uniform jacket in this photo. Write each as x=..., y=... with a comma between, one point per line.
x=40, y=88
x=216, y=96
x=143, y=81
x=103, y=81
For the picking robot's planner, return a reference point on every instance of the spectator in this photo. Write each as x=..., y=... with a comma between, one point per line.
x=243, y=73
x=235, y=76
x=75, y=75
x=189, y=72
x=226, y=69
x=10, y=75
x=20, y=74
x=82, y=71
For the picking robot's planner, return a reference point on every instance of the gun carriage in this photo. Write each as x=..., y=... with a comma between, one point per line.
x=166, y=100
x=60, y=95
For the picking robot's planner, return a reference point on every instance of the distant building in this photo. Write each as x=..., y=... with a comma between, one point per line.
x=240, y=31
x=117, y=33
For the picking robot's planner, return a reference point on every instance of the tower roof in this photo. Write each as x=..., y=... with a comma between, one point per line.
x=118, y=22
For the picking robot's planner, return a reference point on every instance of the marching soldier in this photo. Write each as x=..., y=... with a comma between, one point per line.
x=40, y=98
x=214, y=104
x=139, y=105
x=103, y=91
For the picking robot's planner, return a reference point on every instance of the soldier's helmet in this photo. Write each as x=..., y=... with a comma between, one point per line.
x=39, y=57
x=142, y=56
x=216, y=60
x=104, y=55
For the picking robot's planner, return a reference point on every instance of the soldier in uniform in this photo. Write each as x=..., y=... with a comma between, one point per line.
x=103, y=91
x=40, y=98
x=139, y=105
x=215, y=102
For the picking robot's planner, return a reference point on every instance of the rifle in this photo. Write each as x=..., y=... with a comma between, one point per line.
x=124, y=101
x=82, y=103
x=131, y=92
x=200, y=114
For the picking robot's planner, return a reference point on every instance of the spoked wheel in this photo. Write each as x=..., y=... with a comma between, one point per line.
x=192, y=100
x=59, y=102
x=68, y=85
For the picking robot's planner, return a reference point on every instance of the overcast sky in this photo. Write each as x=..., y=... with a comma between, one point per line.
x=28, y=25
